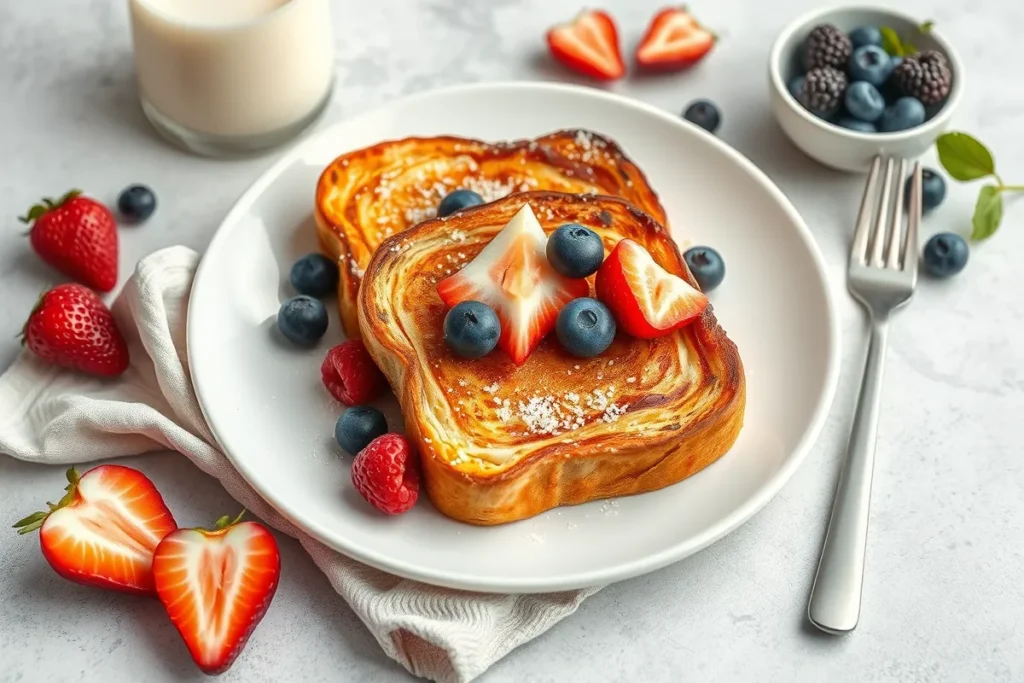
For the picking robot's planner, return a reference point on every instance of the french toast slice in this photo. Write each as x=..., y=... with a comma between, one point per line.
x=367, y=195
x=500, y=442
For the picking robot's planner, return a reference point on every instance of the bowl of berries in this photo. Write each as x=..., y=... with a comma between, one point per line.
x=850, y=83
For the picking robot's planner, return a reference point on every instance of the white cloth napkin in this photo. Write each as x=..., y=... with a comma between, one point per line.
x=57, y=417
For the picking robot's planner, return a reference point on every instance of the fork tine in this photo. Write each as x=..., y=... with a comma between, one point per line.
x=859, y=251
x=896, y=237
x=882, y=219
x=913, y=221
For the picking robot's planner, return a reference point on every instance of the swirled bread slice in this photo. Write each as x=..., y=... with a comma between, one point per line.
x=500, y=442
x=367, y=195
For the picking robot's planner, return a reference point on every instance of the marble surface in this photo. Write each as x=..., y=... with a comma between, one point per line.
x=945, y=561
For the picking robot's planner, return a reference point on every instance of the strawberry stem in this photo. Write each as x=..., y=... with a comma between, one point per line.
x=36, y=519
x=47, y=205
x=24, y=328
x=225, y=521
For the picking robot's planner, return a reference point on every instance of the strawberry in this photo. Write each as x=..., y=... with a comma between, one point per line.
x=589, y=44
x=674, y=40
x=385, y=474
x=647, y=300
x=512, y=275
x=77, y=236
x=71, y=327
x=216, y=586
x=350, y=375
x=104, y=530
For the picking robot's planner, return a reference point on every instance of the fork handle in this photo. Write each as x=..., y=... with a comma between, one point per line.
x=834, y=606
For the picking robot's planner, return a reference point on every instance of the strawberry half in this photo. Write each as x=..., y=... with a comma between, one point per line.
x=647, y=300
x=512, y=275
x=216, y=586
x=674, y=40
x=104, y=530
x=589, y=44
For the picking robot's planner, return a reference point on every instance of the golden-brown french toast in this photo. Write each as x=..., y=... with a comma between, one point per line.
x=501, y=442
x=365, y=196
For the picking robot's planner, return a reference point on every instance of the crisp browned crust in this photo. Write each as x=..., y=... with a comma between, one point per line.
x=365, y=196
x=501, y=442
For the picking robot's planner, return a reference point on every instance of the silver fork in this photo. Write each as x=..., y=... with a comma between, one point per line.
x=882, y=275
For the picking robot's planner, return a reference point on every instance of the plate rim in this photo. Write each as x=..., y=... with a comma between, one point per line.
x=579, y=580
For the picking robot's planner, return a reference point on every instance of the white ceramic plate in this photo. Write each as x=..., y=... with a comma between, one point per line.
x=265, y=404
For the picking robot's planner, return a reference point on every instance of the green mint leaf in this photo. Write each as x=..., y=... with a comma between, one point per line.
x=891, y=41
x=963, y=157
x=988, y=213
x=909, y=49
x=926, y=27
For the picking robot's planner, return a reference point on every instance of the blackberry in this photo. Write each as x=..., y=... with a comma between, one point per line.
x=925, y=76
x=823, y=90
x=827, y=46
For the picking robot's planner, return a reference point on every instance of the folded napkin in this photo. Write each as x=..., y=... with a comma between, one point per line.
x=56, y=417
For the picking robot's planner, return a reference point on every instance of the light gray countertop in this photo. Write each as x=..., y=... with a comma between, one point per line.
x=943, y=597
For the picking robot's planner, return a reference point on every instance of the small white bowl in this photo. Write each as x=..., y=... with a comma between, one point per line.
x=840, y=148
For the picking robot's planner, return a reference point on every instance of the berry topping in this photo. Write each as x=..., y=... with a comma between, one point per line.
x=512, y=275
x=385, y=474
x=705, y=114
x=865, y=35
x=358, y=426
x=472, y=329
x=904, y=113
x=933, y=188
x=707, y=267
x=826, y=46
x=674, y=40
x=925, y=76
x=575, y=251
x=870, y=63
x=945, y=255
x=136, y=203
x=302, y=320
x=457, y=201
x=585, y=327
x=589, y=44
x=864, y=102
x=823, y=90
x=856, y=124
x=314, y=275
x=647, y=300
x=795, y=86
x=350, y=374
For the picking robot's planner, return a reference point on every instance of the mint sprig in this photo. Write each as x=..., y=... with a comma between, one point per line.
x=897, y=47
x=967, y=159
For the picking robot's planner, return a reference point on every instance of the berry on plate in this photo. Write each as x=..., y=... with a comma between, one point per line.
x=589, y=44
x=104, y=530
x=575, y=251
x=77, y=236
x=302, y=320
x=945, y=255
x=904, y=113
x=933, y=188
x=707, y=267
x=823, y=90
x=457, y=200
x=705, y=114
x=674, y=40
x=216, y=585
x=870, y=63
x=314, y=275
x=925, y=76
x=865, y=35
x=512, y=275
x=71, y=327
x=472, y=329
x=385, y=474
x=826, y=46
x=350, y=375
x=136, y=203
x=358, y=426
x=585, y=327
x=864, y=102
x=647, y=300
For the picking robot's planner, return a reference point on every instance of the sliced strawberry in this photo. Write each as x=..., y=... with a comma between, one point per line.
x=216, y=586
x=512, y=275
x=674, y=40
x=104, y=530
x=647, y=300
x=589, y=44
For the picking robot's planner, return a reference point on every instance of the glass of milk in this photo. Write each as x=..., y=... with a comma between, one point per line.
x=228, y=77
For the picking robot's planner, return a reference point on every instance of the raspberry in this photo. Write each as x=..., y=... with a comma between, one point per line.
x=350, y=374
x=827, y=46
x=385, y=474
x=925, y=76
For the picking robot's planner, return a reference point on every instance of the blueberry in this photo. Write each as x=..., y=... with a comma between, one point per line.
x=795, y=86
x=945, y=255
x=704, y=113
x=870, y=63
x=358, y=426
x=904, y=113
x=457, y=201
x=707, y=266
x=575, y=251
x=933, y=188
x=851, y=123
x=865, y=35
x=136, y=203
x=315, y=275
x=864, y=102
x=303, y=320
x=471, y=329
x=585, y=327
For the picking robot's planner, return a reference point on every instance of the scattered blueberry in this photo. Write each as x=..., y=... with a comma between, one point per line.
x=585, y=327
x=457, y=201
x=358, y=426
x=865, y=35
x=904, y=113
x=575, y=251
x=933, y=188
x=795, y=86
x=707, y=266
x=851, y=123
x=703, y=113
x=864, y=102
x=945, y=255
x=471, y=329
x=303, y=320
x=136, y=203
x=870, y=63
x=315, y=275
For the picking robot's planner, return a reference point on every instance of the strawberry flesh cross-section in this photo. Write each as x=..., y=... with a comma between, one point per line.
x=512, y=275
x=674, y=40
